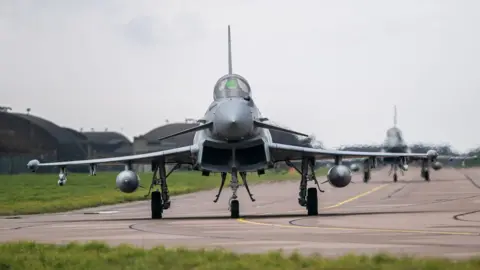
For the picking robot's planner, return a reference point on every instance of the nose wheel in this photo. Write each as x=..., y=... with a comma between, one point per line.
x=394, y=169
x=234, y=204
x=234, y=209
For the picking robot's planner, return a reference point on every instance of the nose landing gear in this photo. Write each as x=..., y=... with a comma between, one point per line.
x=234, y=204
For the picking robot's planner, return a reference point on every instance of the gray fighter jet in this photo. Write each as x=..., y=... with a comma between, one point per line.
x=233, y=137
x=395, y=143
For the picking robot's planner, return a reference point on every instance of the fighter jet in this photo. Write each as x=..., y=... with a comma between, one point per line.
x=233, y=138
x=395, y=143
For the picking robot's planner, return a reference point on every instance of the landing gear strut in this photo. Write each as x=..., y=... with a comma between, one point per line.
x=425, y=173
x=234, y=204
x=93, y=169
x=160, y=199
x=394, y=168
x=307, y=197
x=62, y=176
x=366, y=170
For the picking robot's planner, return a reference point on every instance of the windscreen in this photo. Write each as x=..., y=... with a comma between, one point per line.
x=231, y=86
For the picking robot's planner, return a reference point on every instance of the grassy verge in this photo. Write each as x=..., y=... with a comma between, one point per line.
x=39, y=193
x=95, y=255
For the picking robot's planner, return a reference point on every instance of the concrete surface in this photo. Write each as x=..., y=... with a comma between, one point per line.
x=439, y=218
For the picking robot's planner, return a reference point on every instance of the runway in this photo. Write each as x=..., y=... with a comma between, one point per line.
x=440, y=218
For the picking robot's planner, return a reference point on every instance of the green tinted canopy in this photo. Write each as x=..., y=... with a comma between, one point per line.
x=231, y=84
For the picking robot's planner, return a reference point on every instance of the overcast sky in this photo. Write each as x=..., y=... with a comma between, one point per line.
x=331, y=68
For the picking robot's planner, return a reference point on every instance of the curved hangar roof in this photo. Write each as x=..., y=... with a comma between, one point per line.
x=106, y=137
x=187, y=139
x=62, y=135
x=162, y=131
x=69, y=145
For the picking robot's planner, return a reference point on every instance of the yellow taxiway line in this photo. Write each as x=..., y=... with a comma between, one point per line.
x=355, y=197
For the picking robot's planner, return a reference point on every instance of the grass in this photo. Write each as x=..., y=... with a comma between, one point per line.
x=39, y=193
x=96, y=255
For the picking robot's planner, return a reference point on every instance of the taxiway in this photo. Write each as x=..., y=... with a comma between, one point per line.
x=439, y=218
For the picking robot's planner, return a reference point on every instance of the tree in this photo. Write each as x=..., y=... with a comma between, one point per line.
x=5, y=109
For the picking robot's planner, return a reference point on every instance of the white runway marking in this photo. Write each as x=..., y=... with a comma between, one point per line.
x=102, y=212
x=382, y=205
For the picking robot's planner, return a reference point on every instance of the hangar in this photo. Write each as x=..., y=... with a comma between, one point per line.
x=108, y=144
x=24, y=136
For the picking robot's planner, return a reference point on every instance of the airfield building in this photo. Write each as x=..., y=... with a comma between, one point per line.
x=25, y=136
x=108, y=144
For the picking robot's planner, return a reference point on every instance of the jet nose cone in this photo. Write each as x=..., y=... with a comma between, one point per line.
x=233, y=120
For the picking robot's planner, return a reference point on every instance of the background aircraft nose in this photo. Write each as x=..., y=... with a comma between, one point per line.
x=233, y=120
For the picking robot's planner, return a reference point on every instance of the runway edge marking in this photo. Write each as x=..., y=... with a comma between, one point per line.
x=242, y=220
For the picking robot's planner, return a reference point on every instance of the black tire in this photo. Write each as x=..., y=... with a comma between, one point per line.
x=234, y=209
x=312, y=202
x=395, y=178
x=366, y=177
x=157, y=206
x=427, y=176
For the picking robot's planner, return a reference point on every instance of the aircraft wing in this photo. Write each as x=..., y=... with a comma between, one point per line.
x=176, y=155
x=282, y=152
x=457, y=157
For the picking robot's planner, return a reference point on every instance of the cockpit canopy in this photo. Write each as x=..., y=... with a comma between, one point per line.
x=394, y=133
x=231, y=85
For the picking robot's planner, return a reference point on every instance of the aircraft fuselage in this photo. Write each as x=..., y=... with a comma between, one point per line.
x=395, y=149
x=233, y=141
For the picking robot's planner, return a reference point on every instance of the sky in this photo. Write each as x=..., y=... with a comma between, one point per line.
x=330, y=68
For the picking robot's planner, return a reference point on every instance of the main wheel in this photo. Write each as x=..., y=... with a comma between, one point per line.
x=366, y=177
x=312, y=202
x=426, y=175
x=234, y=209
x=395, y=178
x=157, y=206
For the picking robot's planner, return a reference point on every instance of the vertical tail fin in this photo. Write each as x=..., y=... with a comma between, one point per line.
x=395, y=115
x=229, y=52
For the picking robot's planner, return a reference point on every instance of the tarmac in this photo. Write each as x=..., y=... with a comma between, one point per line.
x=436, y=218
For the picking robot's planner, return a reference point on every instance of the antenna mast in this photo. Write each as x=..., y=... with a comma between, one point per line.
x=229, y=52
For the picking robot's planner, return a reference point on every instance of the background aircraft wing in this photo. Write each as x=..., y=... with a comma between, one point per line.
x=282, y=152
x=176, y=155
x=457, y=157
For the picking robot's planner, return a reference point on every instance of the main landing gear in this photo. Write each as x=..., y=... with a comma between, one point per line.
x=424, y=172
x=367, y=165
x=234, y=185
x=160, y=199
x=308, y=197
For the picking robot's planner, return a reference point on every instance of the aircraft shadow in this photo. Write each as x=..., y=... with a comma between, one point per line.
x=252, y=217
x=411, y=181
